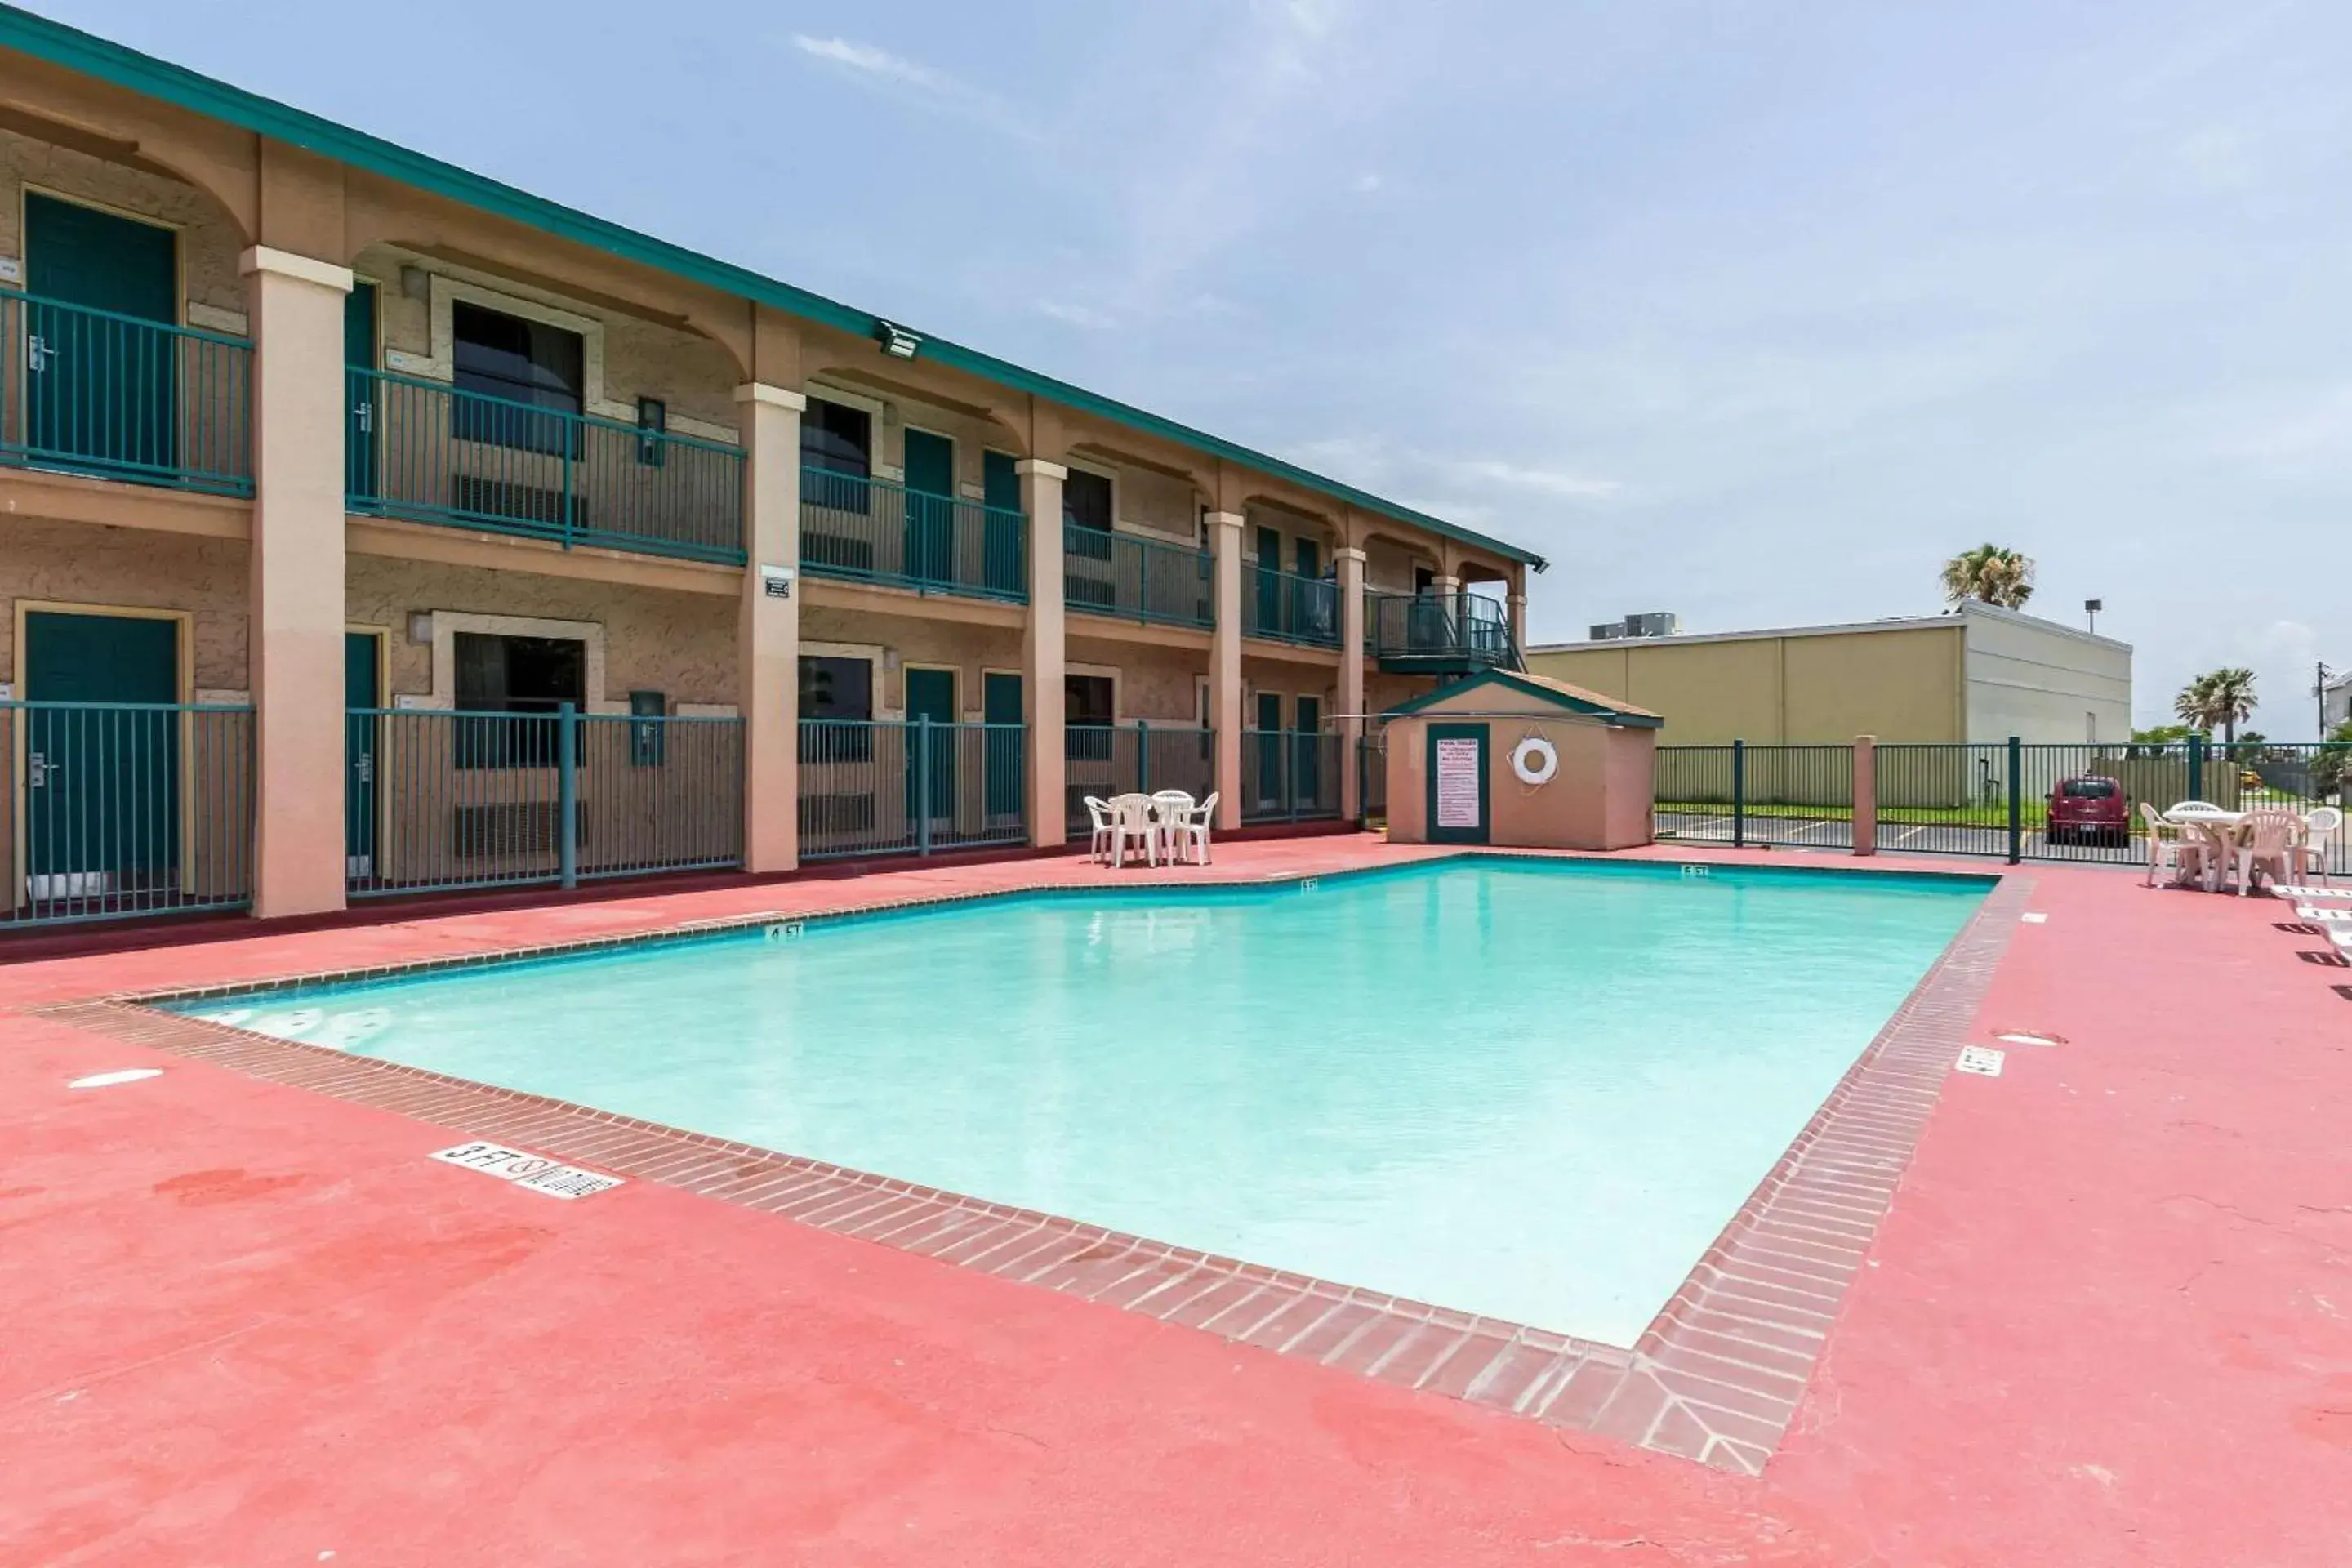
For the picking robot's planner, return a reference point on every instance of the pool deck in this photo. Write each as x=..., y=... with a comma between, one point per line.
x=2107, y=1317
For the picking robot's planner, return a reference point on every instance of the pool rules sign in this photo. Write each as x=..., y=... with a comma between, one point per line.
x=1458, y=784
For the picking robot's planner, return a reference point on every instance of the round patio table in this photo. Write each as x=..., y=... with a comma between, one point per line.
x=2218, y=830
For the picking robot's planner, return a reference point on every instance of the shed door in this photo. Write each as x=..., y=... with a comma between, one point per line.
x=1456, y=768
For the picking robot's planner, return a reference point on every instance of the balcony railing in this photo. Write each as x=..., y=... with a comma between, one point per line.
x=910, y=787
x=1462, y=630
x=1137, y=579
x=119, y=397
x=1288, y=607
x=869, y=531
x=427, y=451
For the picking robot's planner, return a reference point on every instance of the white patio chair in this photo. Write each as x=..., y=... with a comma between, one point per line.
x=2168, y=850
x=2273, y=834
x=1131, y=818
x=1171, y=807
x=1192, y=834
x=1099, y=841
x=2320, y=826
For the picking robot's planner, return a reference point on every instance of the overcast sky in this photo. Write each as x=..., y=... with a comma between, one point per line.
x=1751, y=311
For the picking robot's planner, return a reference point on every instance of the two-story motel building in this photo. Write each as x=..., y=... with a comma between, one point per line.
x=367, y=525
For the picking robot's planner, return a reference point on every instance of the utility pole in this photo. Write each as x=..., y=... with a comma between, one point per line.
x=2319, y=693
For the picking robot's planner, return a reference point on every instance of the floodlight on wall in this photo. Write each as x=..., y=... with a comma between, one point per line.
x=896, y=341
x=2091, y=608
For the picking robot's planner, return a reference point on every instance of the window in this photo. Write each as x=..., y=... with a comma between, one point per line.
x=653, y=423
x=518, y=363
x=841, y=689
x=1086, y=709
x=2088, y=789
x=505, y=675
x=1085, y=504
x=836, y=469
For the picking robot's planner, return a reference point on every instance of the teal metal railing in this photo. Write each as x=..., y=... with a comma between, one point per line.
x=1107, y=759
x=870, y=531
x=1288, y=607
x=1137, y=579
x=435, y=800
x=1289, y=775
x=425, y=451
x=119, y=397
x=1460, y=629
x=910, y=787
x=123, y=809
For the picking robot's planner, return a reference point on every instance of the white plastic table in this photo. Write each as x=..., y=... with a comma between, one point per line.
x=2219, y=830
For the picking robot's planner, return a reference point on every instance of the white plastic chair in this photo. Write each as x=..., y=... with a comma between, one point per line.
x=2272, y=837
x=1131, y=817
x=1171, y=807
x=1098, y=842
x=1192, y=832
x=2320, y=826
x=2168, y=850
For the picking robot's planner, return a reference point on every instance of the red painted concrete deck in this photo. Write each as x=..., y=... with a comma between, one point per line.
x=2109, y=1320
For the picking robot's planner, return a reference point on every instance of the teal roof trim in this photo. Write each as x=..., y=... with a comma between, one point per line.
x=1633, y=720
x=126, y=68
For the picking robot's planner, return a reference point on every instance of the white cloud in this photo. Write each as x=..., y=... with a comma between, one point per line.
x=1562, y=482
x=874, y=61
x=1078, y=316
x=926, y=84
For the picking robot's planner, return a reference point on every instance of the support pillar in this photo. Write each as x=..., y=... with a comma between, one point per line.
x=1519, y=622
x=297, y=587
x=768, y=626
x=1350, y=563
x=1225, y=665
x=1865, y=794
x=1044, y=655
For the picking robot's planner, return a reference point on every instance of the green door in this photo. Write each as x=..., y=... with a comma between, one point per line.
x=930, y=507
x=361, y=416
x=931, y=694
x=1306, y=763
x=1269, y=583
x=1456, y=767
x=1000, y=531
x=1001, y=706
x=101, y=381
x=362, y=730
x=1270, y=749
x=102, y=783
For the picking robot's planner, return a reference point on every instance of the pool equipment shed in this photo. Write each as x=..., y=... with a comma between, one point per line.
x=1520, y=760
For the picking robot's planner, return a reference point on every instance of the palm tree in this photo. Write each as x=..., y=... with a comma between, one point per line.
x=1991, y=573
x=2221, y=699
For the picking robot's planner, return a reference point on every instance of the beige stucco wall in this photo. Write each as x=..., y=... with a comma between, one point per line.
x=59, y=562
x=2044, y=683
x=1598, y=799
x=1781, y=688
x=209, y=242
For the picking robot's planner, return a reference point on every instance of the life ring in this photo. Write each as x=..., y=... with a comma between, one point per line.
x=1533, y=759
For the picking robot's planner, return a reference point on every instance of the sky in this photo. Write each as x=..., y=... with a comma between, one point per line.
x=1752, y=311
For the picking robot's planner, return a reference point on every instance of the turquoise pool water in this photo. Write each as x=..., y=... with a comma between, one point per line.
x=1535, y=1091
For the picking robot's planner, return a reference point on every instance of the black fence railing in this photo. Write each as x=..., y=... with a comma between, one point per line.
x=1290, y=775
x=123, y=809
x=1107, y=759
x=909, y=787
x=437, y=800
x=1741, y=794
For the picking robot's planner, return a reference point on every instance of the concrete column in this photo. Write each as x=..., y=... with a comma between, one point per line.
x=768, y=626
x=1043, y=652
x=1351, y=678
x=1225, y=665
x=1865, y=794
x=296, y=615
x=1519, y=622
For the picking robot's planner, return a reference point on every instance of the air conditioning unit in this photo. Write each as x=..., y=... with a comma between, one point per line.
x=1653, y=623
x=1608, y=631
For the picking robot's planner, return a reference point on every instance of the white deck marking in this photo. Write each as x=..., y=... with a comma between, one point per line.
x=538, y=1173
x=109, y=1079
x=1980, y=1059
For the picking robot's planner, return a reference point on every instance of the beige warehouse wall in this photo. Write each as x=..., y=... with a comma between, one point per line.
x=2044, y=683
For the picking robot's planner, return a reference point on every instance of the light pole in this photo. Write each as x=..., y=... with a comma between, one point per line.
x=2319, y=694
x=2091, y=608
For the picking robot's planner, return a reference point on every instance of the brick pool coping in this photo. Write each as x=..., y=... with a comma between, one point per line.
x=1716, y=1377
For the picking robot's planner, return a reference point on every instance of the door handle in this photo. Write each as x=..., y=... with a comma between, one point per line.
x=37, y=354
x=364, y=414
x=37, y=770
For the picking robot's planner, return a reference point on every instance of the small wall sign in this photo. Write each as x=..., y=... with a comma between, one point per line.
x=776, y=581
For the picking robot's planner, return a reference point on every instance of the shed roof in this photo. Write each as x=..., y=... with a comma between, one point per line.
x=1559, y=693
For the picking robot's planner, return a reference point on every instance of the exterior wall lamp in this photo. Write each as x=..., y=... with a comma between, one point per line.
x=896, y=341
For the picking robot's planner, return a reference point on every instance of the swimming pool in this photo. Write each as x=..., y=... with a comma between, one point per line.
x=1535, y=1090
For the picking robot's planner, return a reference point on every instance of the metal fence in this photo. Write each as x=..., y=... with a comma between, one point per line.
x=1290, y=775
x=2010, y=800
x=425, y=451
x=117, y=809
x=441, y=800
x=870, y=531
x=910, y=787
x=122, y=397
x=1105, y=759
x=1137, y=579
x=1373, y=776
x=1287, y=607
x=1741, y=794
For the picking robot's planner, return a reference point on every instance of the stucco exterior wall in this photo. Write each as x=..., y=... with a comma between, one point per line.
x=1599, y=797
x=209, y=242
x=60, y=562
x=2044, y=683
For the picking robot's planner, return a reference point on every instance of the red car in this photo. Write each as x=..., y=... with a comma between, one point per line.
x=2089, y=809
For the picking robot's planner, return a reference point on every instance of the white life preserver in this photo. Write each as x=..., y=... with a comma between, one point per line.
x=1535, y=761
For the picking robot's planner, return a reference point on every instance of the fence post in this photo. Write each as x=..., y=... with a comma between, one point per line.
x=2196, y=766
x=1865, y=832
x=1739, y=794
x=923, y=785
x=1142, y=757
x=2016, y=798
x=567, y=793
